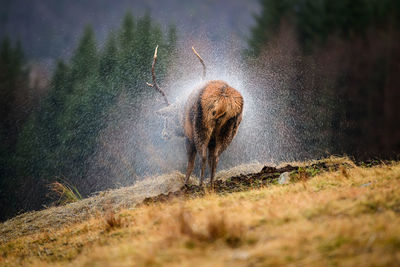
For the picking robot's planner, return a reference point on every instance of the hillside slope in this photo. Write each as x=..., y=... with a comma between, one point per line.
x=348, y=216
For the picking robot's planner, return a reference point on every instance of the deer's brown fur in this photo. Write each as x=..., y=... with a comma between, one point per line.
x=211, y=119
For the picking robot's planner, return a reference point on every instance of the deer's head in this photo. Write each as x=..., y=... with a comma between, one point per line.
x=172, y=113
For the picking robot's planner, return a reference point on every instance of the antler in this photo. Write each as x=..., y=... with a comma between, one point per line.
x=153, y=74
x=201, y=61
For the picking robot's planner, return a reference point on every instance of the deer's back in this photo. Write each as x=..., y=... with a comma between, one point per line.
x=209, y=108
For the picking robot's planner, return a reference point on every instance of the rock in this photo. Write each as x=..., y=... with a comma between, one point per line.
x=284, y=178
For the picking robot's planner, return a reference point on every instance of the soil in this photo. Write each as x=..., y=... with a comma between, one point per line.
x=267, y=176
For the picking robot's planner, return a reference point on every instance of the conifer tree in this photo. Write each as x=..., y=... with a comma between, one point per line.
x=13, y=77
x=127, y=59
x=109, y=60
x=84, y=62
x=267, y=24
x=61, y=136
x=39, y=140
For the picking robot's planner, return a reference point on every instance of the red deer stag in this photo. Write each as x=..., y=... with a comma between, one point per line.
x=209, y=120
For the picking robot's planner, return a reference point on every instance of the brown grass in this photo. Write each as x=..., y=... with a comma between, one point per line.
x=216, y=227
x=127, y=197
x=112, y=222
x=64, y=193
x=334, y=218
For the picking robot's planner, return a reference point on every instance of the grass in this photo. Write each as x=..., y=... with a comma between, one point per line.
x=64, y=192
x=112, y=222
x=347, y=217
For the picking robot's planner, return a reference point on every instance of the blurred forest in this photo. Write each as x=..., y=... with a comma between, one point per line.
x=335, y=62
x=57, y=134
x=49, y=29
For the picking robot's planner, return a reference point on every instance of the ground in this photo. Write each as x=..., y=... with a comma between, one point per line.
x=338, y=213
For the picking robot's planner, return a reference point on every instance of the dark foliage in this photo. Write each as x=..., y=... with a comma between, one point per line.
x=62, y=133
x=336, y=62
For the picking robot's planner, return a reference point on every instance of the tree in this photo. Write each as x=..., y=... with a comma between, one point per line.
x=127, y=55
x=13, y=78
x=267, y=23
x=84, y=63
x=13, y=81
x=344, y=71
x=109, y=60
x=61, y=137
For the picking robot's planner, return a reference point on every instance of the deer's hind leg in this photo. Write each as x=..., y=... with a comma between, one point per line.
x=213, y=157
x=203, y=155
x=202, y=139
x=191, y=152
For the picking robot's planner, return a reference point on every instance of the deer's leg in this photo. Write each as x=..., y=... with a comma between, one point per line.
x=191, y=152
x=203, y=163
x=214, y=167
x=213, y=158
x=210, y=159
x=211, y=162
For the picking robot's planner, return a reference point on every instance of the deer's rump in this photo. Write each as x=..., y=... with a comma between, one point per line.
x=213, y=110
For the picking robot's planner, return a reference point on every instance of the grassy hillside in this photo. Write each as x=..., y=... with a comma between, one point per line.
x=348, y=216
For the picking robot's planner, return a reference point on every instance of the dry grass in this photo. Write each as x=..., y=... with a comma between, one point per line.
x=112, y=222
x=64, y=193
x=215, y=227
x=347, y=217
x=127, y=197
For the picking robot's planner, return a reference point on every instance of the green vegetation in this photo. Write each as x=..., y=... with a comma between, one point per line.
x=65, y=192
x=316, y=21
x=61, y=135
x=13, y=83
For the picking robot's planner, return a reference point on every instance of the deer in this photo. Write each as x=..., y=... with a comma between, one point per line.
x=209, y=120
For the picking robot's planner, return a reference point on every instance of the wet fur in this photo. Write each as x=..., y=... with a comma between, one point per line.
x=211, y=118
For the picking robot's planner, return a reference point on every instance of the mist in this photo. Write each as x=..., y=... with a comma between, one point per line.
x=132, y=148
